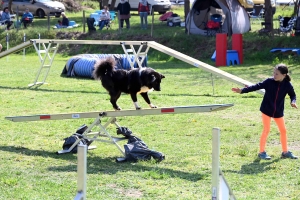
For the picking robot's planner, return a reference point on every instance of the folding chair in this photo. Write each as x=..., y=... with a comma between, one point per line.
x=2, y=22
x=112, y=17
x=286, y=24
x=297, y=26
x=108, y=25
x=257, y=13
x=96, y=16
x=29, y=23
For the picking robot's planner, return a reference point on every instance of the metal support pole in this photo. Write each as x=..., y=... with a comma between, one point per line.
x=220, y=187
x=83, y=20
x=39, y=43
x=81, y=172
x=119, y=21
x=48, y=22
x=189, y=23
x=152, y=13
x=215, y=163
x=7, y=44
x=24, y=40
x=17, y=22
x=212, y=83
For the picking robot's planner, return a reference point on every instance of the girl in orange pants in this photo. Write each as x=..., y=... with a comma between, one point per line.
x=272, y=106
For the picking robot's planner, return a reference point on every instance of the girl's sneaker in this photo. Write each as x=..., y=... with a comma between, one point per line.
x=264, y=156
x=288, y=155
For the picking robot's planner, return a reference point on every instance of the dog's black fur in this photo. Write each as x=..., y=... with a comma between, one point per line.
x=132, y=82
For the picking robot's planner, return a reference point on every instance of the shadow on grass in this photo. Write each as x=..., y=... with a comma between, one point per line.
x=96, y=92
x=256, y=167
x=106, y=165
x=52, y=90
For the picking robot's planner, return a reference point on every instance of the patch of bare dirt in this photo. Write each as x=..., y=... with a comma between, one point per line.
x=133, y=193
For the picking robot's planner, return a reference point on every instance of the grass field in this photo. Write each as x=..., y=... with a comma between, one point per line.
x=32, y=170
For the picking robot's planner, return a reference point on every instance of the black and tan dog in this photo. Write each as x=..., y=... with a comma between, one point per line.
x=133, y=82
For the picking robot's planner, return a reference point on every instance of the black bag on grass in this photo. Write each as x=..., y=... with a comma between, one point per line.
x=136, y=149
x=69, y=141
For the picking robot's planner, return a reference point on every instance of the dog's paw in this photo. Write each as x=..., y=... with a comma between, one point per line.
x=152, y=106
x=136, y=105
x=118, y=108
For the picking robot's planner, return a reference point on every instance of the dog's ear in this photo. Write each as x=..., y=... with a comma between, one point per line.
x=158, y=75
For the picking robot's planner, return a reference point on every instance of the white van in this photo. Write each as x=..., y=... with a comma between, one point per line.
x=285, y=2
x=160, y=6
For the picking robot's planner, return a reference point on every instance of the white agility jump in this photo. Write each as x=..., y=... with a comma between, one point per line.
x=220, y=187
x=50, y=48
x=122, y=113
x=93, y=136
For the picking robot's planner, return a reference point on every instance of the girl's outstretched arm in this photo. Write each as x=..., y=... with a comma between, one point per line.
x=237, y=90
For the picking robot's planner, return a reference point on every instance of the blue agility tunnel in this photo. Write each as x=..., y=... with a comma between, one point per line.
x=83, y=65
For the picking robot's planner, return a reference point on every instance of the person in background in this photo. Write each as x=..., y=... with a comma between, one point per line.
x=272, y=106
x=144, y=10
x=124, y=10
x=27, y=18
x=6, y=17
x=104, y=18
x=0, y=47
x=64, y=23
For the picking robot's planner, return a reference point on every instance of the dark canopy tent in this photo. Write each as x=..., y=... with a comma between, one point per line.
x=235, y=19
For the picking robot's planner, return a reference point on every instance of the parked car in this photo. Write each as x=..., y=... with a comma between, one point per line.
x=177, y=2
x=248, y=4
x=39, y=8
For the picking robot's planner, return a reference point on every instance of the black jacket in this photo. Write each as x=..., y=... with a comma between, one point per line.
x=65, y=21
x=124, y=8
x=275, y=92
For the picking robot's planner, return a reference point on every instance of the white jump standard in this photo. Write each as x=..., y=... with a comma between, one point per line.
x=220, y=187
x=93, y=136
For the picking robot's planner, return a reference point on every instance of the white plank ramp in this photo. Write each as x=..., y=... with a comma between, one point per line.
x=142, y=112
x=202, y=65
x=15, y=49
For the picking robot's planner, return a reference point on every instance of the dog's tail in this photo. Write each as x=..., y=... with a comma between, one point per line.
x=104, y=67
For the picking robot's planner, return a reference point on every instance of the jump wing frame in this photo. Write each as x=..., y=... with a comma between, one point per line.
x=103, y=132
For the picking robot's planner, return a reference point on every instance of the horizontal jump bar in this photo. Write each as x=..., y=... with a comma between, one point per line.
x=121, y=113
x=107, y=42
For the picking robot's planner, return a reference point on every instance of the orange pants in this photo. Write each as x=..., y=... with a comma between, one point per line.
x=267, y=124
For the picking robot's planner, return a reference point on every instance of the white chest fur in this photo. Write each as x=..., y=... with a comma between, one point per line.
x=143, y=89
